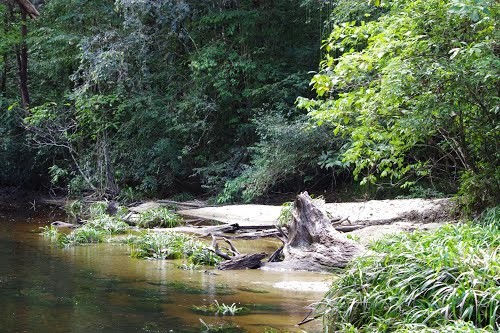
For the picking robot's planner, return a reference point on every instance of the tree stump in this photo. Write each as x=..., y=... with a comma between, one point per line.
x=313, y=243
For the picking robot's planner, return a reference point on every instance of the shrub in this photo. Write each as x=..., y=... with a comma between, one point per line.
x=288, y=150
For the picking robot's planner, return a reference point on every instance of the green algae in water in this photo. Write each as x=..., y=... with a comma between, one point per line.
x=224, y=327
x=264, y=308
x=253, y=290
x=185, y=288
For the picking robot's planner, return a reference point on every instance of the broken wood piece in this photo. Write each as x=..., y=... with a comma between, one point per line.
x=348, y=228
x=276, y=256
x=185, y=204
x=256, y=234
x=215, y=249
x=340, y=220
x=234, y=251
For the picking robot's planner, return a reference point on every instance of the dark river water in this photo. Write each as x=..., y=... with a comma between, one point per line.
x=99, y=288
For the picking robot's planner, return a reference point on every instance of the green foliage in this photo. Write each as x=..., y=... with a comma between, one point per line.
x=170, y=245
x=220, y=328
x=286, y=212
x=286, y=149
x=432, y=282
x=50, y=232
x=418, y=191
x=109, y=224
x=479, y=190
x=415, y=92
x=84, y=235
x=128, y=195
x=97, y=229
x=158, y=217
x=97, y=209
x=133, y=97
x=74, y=209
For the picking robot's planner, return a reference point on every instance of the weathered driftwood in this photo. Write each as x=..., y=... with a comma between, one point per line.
x=312, y=242
x=255, y=234
x=61, y=224
x=276, y=255
x=237, y=260
x=243, y=261
x=184, y=204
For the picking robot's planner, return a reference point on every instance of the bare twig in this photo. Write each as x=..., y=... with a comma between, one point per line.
x=215, y=249
x=233, y=249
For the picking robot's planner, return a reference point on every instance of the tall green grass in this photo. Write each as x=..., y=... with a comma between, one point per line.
x=96, y=230
x=444, y=281
x=158, y=217
x=170, y=245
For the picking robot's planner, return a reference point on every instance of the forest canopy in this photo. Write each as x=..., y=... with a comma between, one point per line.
x=140, y=98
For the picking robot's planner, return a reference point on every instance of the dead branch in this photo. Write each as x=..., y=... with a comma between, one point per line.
x=233, y=249
x=215, y=249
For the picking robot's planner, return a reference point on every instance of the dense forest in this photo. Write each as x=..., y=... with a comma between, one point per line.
x=134, y=98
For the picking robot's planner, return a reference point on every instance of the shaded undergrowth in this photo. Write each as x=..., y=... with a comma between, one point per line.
x=445, y=281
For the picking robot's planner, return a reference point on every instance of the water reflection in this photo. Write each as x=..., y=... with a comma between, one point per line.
x=99, y=288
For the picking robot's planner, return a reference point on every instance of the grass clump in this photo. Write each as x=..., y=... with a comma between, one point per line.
x=219, y=308
x=446, y=281
x=84, y=235
x=50, y=232
x=96, y=230
x=171, y=245
x=158, y=217
x=109, y=224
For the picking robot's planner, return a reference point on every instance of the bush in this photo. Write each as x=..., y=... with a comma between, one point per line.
x=287, y=150
x=426, y=280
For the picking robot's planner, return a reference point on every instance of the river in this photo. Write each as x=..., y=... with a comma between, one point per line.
x=99, y=288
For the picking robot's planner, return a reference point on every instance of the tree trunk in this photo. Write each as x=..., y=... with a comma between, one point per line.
x=313, y=243
x=109, y=172
x=22, y=63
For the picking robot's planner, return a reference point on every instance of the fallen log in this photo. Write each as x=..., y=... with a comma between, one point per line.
x=61, y=224
x=256, y=234
x=242, y=262
x=237, y=260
